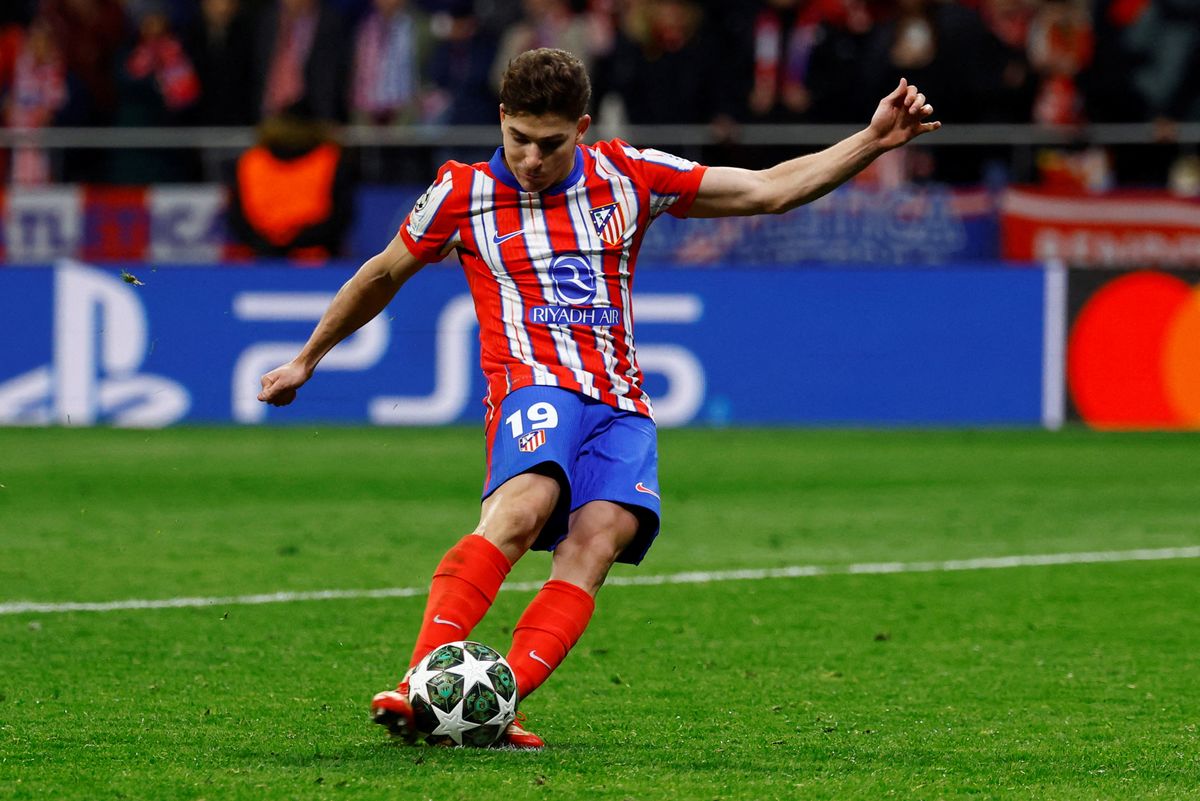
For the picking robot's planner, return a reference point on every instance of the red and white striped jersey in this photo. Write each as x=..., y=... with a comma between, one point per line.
x=551, y=273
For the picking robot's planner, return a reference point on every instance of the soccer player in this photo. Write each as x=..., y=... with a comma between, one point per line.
x=548, y=233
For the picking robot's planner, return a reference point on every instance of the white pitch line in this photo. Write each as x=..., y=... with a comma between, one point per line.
x=694, y=577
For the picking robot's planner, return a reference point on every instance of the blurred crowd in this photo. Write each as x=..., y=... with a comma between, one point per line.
x=718, y=62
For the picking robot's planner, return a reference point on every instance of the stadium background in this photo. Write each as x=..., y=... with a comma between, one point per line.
x=940, y=287
x=898, y=560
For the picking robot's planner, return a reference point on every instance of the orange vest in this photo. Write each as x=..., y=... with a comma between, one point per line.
x=281, y=198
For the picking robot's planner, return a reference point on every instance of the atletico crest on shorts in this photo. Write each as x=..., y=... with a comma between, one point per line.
x=609, y=221
x=532, y=441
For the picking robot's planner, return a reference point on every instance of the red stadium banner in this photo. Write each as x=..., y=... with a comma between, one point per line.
x=116, y=223
x=1150, y=229
x=1133, y=351
x=179, y=224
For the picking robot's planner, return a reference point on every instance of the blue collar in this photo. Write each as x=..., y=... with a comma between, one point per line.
x=504, y=174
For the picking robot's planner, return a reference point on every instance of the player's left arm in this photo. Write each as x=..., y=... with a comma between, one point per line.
x=731, y=192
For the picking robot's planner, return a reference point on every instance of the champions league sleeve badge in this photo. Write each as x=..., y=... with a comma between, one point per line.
x=427, y=205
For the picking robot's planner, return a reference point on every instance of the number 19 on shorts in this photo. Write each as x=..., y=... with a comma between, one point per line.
x=539, y=415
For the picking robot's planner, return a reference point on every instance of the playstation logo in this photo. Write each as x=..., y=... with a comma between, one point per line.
x=100, y=341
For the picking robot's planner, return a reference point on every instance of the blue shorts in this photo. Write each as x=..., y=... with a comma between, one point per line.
x=596, y=452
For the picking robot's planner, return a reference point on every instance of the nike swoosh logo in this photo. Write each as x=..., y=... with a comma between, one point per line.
x=497, y=239
x=533, y=655
x=640, y=487
x=444, y=622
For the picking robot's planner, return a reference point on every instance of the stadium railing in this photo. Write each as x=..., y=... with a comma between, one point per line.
x=1138, y=133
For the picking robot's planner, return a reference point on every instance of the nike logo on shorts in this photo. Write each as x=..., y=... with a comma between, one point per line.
x=444, y=622
x=533, y=655
x=640, y=487
x=497, y=239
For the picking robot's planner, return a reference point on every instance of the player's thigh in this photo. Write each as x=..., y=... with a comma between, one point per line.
x=619, y=465
x=515, y=513
x=531, y=445
x=600, y=531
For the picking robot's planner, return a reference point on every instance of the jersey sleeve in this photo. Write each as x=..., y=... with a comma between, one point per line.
x=431, y=228
x=674, y=182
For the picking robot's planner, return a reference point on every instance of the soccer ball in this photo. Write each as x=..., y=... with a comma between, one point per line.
x=463, y=693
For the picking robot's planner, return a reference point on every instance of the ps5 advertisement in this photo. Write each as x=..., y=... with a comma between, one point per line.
x=153, y=346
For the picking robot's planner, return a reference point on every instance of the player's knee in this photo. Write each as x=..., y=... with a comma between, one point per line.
x=598, y=537
x=517, y=524
x=584, y=560
x=597, y=551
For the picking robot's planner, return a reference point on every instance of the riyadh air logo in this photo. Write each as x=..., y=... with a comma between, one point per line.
x=574, y=279
x=575, y=282
x=100, y=342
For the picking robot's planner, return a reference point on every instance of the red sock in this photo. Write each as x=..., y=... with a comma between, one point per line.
x=464, y=585
x=552, y=623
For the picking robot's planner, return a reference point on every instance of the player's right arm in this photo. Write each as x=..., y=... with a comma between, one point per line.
x=365, y=295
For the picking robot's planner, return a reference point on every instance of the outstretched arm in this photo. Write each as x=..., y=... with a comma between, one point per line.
x=728, y=192
x=358, y=301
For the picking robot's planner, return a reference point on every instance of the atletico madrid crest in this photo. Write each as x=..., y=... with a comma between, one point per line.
x=532, y=441
x=609, y=221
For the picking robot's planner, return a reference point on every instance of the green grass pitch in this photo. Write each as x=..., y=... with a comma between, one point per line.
x=1075, y=681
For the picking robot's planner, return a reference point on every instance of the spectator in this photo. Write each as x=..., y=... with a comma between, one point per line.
x=1146, y=58
x=459, y=69
x=1061, y=44
x=40, y=92
x=664, y=69
x=220, y=44
x=14, y=19
x=157, y=81
x=936, y=46
x=1107, y=84
x=89, y=34
x=388, y=55
x=156, y=86
x=300, y=57
x=545, y=23
x=292, y=194
x=387, y=87
x=800, y=58
x=1166, y=35
x=1007, y=70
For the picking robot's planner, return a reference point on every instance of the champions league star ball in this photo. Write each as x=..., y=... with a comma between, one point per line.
x=463, y=693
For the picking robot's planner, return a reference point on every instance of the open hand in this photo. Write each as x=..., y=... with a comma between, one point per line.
x=902, y=116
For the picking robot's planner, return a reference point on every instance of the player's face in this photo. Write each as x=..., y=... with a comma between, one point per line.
x=540, y=150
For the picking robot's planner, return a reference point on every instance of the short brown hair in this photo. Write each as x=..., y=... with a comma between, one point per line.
x=546, y=81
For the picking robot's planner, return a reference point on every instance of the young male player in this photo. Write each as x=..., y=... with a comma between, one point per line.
x=548, y=233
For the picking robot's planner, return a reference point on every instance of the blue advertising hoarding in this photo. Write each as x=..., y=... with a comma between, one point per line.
x=956, y=345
